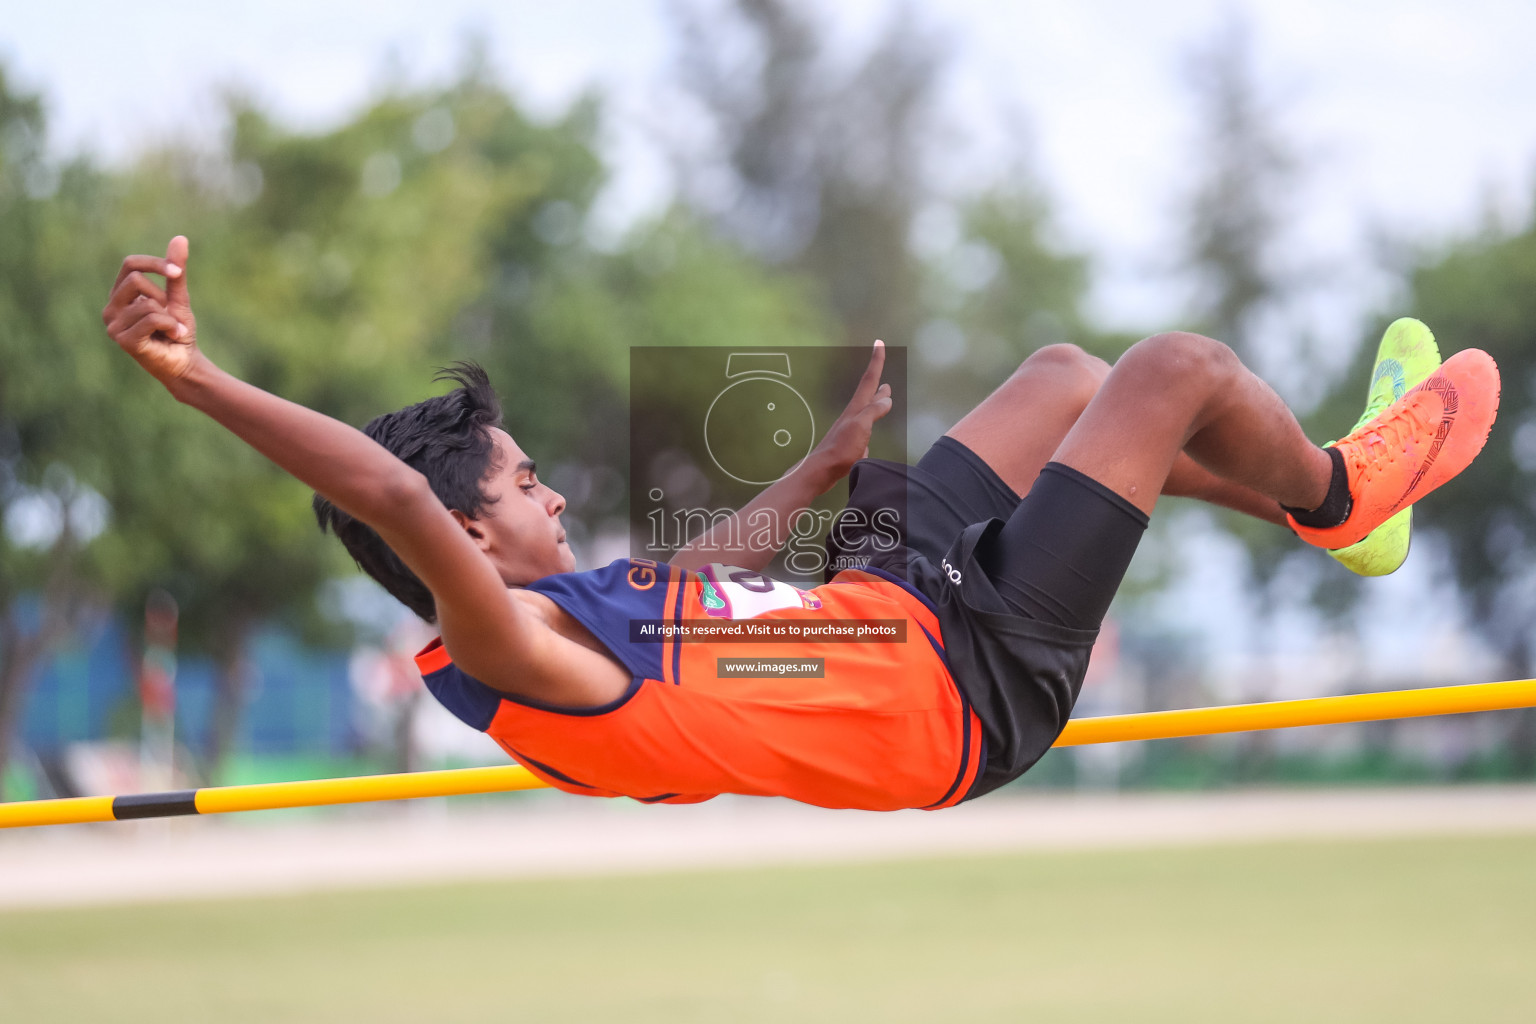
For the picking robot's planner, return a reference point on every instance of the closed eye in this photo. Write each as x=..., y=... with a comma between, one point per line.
x=533, y=476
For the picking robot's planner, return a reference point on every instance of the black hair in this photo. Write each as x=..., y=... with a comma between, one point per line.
x=448, y=440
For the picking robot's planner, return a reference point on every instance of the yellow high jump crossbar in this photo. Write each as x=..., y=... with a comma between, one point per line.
x=1155, y=725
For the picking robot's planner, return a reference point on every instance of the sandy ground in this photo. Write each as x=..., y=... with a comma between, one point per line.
x=198, y=858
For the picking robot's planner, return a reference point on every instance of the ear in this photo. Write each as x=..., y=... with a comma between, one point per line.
x=471, y=527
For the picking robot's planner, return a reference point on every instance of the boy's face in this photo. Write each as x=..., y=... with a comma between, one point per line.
x=520, y=532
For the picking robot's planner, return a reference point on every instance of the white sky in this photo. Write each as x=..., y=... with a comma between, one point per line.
x=1417, y=114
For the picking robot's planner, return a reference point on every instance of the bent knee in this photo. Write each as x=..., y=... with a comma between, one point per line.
x=1070, y=368
x=1181, y=356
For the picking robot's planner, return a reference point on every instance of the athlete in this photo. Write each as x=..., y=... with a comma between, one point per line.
x=1011, y=536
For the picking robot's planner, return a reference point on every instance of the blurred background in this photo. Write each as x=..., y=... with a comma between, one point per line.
x=374, y=190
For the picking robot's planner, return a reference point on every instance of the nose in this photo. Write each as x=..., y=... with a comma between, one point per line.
x=556, y=503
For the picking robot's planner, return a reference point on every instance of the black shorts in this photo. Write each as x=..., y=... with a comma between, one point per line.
x=1019, y=663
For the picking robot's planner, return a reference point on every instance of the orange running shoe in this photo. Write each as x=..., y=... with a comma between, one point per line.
x=1418, y=443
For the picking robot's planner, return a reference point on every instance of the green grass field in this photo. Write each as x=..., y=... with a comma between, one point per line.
x=1401, y=931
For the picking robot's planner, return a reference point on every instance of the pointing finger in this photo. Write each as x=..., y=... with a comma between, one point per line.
x=870, y=381
x=176, y=284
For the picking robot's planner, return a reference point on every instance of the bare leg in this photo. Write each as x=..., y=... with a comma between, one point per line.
x=1189, y=479
x=1020, y=426
x=1178, y=392
x=1177, y=414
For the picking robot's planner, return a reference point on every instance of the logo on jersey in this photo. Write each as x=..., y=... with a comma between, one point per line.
x=710, y=598
x=642, y=573
x=950, y=571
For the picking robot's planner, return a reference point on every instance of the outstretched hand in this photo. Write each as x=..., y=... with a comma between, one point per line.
x=152, y=324
x=847, y=440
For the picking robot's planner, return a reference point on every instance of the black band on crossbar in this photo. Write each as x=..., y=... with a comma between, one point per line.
x=155, y=805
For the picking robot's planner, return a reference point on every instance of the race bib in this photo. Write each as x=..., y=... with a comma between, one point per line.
x=730, y=592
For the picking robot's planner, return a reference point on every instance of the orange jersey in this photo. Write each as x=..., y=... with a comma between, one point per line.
x=883, y=727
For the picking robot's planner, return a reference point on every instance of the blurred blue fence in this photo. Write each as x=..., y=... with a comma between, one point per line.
x=299, y=700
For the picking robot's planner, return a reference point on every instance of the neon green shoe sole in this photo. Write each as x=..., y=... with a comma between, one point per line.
x=1406, y=356
x=1383, y=550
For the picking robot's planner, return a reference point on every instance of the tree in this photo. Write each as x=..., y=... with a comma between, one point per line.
x=1000, y=289
x=822, y=169
x=338, y=269
x=1235, y=220
x=1481, y=291
x=331, y=269
x=828, y=167
x=1240, y=203
x=53, y=393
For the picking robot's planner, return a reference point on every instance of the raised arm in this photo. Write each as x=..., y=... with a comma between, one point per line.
x=490, y=635
x=846, y=441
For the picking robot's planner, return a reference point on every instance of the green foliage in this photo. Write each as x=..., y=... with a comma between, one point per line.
x=1238, y=208
x=562, y=340
x=1004, y=289
x=330, y=269
x=1035, y=296
x=51, y=389
x=820, y=163
x=1234, y=218
x=339, y=270
x=828, y=167
x=1480, y=292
